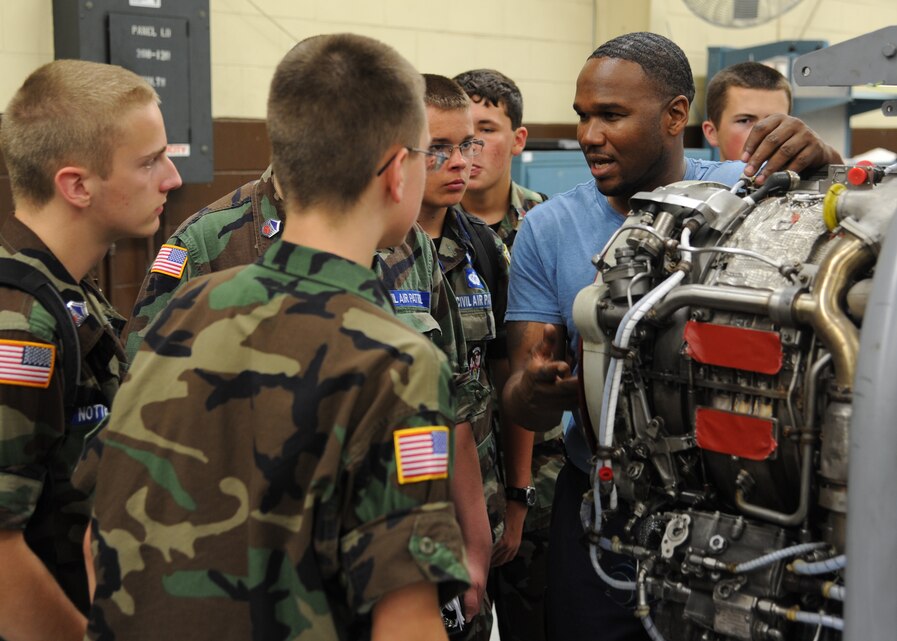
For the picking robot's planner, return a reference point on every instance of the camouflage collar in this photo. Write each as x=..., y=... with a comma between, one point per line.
x=452, y=247
x=266, y=205
x=326, y=269
x=16, y=237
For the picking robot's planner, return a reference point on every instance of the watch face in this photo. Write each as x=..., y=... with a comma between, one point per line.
x=530, y=496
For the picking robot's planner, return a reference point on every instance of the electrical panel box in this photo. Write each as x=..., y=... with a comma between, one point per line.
x=167, y=43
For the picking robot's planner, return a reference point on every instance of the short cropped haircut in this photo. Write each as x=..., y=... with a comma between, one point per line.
x=67, y=112
x=496, y=89
x=337, y=104
x=747, y=75
x=660, y=58
x=444, y=93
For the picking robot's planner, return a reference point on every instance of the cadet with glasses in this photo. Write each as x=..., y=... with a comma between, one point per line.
x=475, y=263
x=530, y=462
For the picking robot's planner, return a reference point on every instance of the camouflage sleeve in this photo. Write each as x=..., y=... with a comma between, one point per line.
x=404, y=530
x=177, y=262
x=31, y=413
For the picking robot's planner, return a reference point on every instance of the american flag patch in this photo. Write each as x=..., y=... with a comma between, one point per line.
x=170, y=261
x=422, y=453
x=24, y=363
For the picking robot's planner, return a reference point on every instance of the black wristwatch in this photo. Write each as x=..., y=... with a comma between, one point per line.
x=523, y=494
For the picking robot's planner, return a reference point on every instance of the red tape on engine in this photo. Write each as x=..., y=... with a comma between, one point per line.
x=752, y=350
x=735, y=434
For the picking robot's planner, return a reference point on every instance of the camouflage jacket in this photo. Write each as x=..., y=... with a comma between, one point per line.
x=421, y=298
x=253, y=487
x=40, y=443
x=239, y=227
x=234, y=230
x=479, y=308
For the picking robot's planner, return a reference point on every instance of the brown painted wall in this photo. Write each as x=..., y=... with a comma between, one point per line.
x=241, y=154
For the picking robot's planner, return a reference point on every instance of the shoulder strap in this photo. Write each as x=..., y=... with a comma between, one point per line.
x=15, y=273
x=486, y=256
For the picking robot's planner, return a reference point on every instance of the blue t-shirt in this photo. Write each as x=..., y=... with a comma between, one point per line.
x=552, y=259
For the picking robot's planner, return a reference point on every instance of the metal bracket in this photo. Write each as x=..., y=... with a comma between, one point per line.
x=864, y=60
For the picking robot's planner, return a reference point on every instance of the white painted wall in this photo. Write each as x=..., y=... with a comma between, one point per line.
x=539, y=43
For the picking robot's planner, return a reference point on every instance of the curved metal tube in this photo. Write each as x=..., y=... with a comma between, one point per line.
x=730, y=299
x=822, y=309
x=806, y=464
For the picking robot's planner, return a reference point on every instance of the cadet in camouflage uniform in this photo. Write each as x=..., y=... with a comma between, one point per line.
x=239, y=227
x=518, y=582
x=77, y=138
x=277, y=466
x=232, y=230
x=476, y=266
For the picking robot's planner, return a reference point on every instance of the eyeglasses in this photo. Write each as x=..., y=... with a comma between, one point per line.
x=468, y=148
x=435, y=160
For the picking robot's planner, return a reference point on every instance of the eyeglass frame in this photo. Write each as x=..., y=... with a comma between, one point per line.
x=476, y=146
x=439, y=159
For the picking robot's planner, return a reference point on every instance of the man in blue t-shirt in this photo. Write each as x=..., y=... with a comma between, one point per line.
x=632, y=99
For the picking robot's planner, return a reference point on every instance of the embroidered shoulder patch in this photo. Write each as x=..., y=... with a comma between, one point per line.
x=171, y=261
x=25, y=363
x=422, y=453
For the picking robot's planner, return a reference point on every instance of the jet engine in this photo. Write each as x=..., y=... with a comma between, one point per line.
x=719, y=352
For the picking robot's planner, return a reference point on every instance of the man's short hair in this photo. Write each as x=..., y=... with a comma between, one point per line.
x=660, y=58
x=496, y=89
x=67, y=112
x=747, y=75
x=444, y=93
x=337, y=104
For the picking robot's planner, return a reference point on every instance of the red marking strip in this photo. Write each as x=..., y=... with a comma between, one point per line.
x=735, y=434
x=752, y=350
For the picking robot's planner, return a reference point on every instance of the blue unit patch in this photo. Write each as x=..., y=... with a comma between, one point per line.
x=473, y=279
x=410, y=298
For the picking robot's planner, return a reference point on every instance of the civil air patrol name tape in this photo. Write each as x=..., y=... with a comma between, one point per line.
x=171, y=261
x=422, y=453
x=410, y=298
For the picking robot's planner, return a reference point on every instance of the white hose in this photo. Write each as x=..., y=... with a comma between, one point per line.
x=816, y=618
x=651, y=629
x=820, y=567
x=778, y=555
x=836, y=592
x=611, y=581
x=610, y=397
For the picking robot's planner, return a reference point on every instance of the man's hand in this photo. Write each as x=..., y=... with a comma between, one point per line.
x=542, y=385
x=506, y=547
x=472, y=599
x=784, y=142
